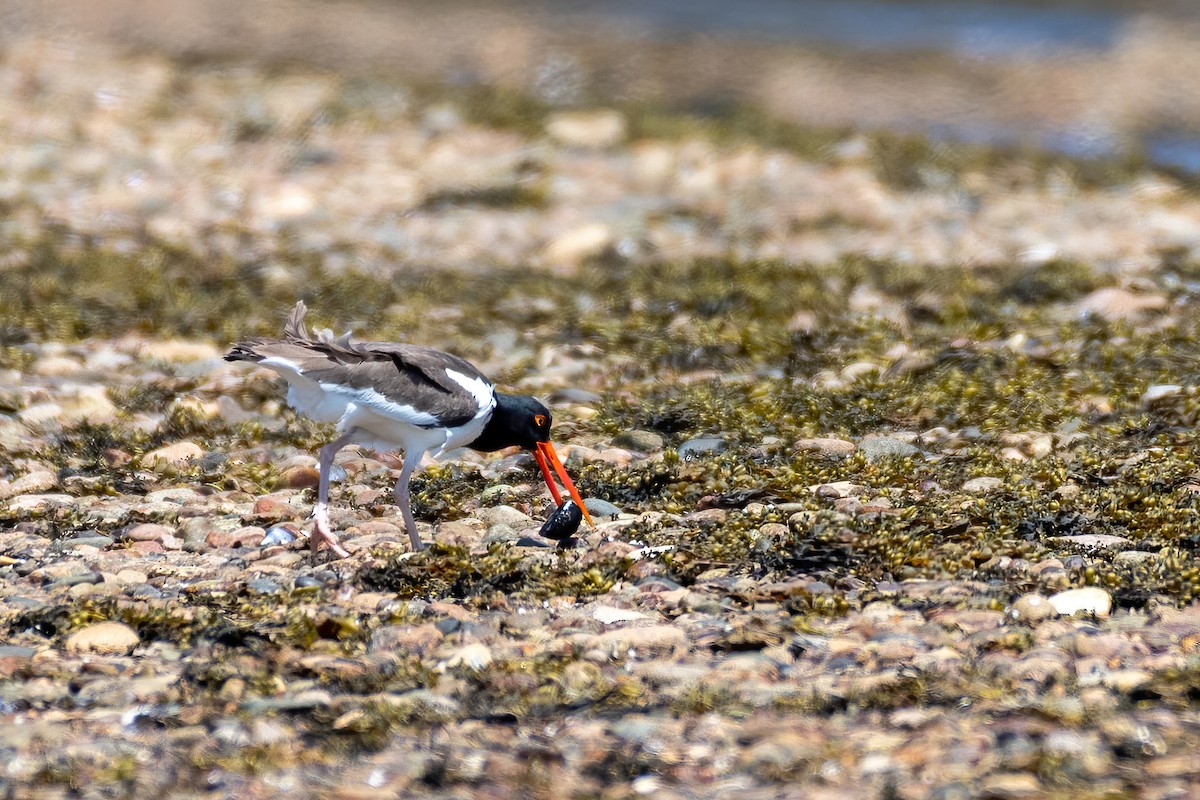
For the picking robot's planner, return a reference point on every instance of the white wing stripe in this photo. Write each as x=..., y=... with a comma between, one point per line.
x=481, y=390
x=381, y=405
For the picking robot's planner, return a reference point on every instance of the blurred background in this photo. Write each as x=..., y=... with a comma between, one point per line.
x=1090, y=78
x=279, y=143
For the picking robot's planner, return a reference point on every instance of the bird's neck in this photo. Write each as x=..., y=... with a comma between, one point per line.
x=501, y=427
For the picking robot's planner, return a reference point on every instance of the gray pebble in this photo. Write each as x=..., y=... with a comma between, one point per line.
x=643, y=441
x=144, y=590
x=263, y=586
x=73, y=580
x=500, y=533
x=600, y=508
x=704, y=446
x=876, y=447
x=277, y=535
x=572, y=395
x=86, y=541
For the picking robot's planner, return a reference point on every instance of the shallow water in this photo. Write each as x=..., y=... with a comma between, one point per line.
x=972, y=29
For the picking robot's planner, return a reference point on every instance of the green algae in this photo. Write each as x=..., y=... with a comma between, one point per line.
x=503, y=572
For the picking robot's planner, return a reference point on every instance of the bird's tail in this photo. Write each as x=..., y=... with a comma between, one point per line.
x=293, y=330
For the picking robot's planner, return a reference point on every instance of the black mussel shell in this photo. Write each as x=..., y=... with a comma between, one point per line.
x=563, y=523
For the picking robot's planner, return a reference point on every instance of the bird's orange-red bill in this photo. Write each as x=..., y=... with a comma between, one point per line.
x=545, y=455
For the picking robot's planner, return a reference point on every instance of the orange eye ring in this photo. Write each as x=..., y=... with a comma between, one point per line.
x=539, y=420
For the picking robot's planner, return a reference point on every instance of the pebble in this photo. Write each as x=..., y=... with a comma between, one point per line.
x=593, y=129
x=38, y=482
x=1032, y=608
x=648, y=642
x=505, y=515
x=173, y=455
x=572, y=247
x=982, y=485
x=601, y=509
x=1114, y=304
x=874, y=448
x=825, y=446
x=610, y=614
x=1089, y=600
x=639, y=440
x=699, y=448
x=147, y=532
x=277, y=535
x=300, y=477
x=102, y=638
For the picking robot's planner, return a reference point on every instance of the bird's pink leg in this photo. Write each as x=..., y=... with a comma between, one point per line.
x=322, y=534
x=411, y=461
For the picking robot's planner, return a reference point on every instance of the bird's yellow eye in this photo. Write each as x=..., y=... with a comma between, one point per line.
x=539, y=420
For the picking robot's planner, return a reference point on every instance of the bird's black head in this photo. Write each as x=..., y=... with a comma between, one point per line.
x=519, y=420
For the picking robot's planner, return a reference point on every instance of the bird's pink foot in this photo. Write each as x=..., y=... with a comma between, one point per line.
x=321, y=535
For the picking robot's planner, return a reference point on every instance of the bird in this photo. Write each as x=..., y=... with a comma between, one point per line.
x=391, y=396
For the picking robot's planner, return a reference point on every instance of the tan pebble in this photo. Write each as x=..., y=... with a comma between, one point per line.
x=233, y=690
x=1040, y=446
x=474, y=656
x=852, y=372
x=838, y=489
x=178, y=350
x=1127, y=680
x=982, y=485
x=1177, y=766
x=148, y=532
x=593, y=129
x=173, y=455
x=1114, y=304
x=52, y=366
x=1032, y=608
x=34, y=483
x=571, y=248
x=107, y=638
x=457, y=533
x=300, y=478
x=418, y=640
x=131, y=576
x=828, y=446
x=582, y=412
x=655, y=640
x=41, y=415
x=1013, y=785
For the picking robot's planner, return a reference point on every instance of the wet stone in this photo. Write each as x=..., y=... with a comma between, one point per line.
x=702, y=447
x=1089, y=600
x=103, y=638
x=877, y=447
x=600, y=509
x=86, y=541
x=263, y=586
x=639, y=440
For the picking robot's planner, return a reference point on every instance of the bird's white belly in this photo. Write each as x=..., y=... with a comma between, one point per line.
x=317, y=404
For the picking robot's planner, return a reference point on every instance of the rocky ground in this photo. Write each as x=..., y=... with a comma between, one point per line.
x=891, y=453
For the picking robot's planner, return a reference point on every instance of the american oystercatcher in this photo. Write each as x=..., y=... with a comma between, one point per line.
x=390, y=396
